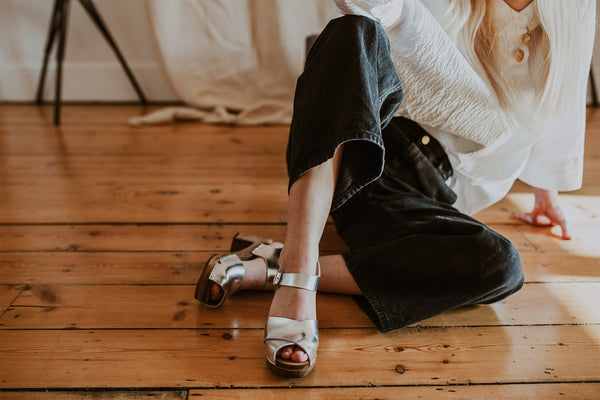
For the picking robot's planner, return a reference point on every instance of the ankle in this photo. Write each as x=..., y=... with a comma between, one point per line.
x=299, y=263
x=294, y=303
x=255, y=274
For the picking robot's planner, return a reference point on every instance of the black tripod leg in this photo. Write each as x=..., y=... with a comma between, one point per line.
x=88, y=5
x=594, y=93
x=60, y=53
x=54, y=21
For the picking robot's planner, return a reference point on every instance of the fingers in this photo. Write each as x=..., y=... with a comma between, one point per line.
x=524, y=217
x=556, y=217
x=537, y=219
x=561, y=220
x=546, y=212
x=541, y=220
x=534, y=219
x=565, y=232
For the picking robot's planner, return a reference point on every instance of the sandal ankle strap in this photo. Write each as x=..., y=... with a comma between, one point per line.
x=300, y=281
x=271, y=257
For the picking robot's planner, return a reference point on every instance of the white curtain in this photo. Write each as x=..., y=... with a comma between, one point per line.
x=234, y=61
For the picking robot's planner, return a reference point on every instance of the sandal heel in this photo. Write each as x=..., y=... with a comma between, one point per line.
x=227, y=270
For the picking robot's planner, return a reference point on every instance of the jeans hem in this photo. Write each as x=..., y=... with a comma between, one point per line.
x=358, y=182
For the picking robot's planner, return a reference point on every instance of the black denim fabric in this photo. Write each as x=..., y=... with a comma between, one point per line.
x=411, y=253
x=348, y=91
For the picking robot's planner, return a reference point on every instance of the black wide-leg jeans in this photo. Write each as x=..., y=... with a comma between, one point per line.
x=411, y=253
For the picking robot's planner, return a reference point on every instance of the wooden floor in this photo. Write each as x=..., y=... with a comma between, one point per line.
x=104, y=229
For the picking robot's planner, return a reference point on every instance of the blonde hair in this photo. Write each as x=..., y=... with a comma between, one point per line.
x=560, y=46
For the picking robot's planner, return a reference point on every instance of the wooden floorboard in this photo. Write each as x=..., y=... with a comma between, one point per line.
x=358, y=357
x=164, y=307
x=155, y=237
x=169, y=267
x=548, y=391
x=97, y=395
x=581, y=391
x=104, y=229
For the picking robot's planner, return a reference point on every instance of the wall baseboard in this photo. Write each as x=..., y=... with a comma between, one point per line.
x=85, y=82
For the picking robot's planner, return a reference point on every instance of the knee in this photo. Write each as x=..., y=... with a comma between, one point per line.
x=353, y=25
x=350, y=34
x=504, y=270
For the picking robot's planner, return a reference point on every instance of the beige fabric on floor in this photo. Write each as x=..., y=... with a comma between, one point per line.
x=240, y=55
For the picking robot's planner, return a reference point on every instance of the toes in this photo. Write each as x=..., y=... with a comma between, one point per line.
x=286, y=352
x=215, y=292
x=293, y=353
x=299, y=355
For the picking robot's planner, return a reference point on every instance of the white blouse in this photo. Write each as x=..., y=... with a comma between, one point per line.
x=444, y=94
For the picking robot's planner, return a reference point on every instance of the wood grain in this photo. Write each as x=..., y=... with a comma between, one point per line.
x=8, y=293
x=167, y=237
x=104, y=229
x=97, y=395
x=553, y=391
x=89, y=202
x=163, y=307
x=191, y=140
x=200, y=358
x=147, y=169
x=102, y=268
x=134, y=237
x=168, y=267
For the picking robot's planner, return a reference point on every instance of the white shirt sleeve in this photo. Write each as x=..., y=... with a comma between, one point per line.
x=386, y=12
x=556, y=161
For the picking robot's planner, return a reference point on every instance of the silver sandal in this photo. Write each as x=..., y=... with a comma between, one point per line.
x=281, y=332
x=227, y=270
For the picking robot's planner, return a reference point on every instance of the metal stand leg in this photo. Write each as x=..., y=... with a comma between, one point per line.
x=58, y=30
x=54, y=26
x=95, y=16
x=594, y=94
x=60, y=55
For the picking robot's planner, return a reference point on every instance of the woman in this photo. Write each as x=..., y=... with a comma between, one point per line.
x=409, y=116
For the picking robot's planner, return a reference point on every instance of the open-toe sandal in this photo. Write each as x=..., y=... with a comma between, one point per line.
x=281, y=332
x=227, y=270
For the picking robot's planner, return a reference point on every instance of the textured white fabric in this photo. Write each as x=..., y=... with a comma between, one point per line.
x=440, y=87
x=549, y=156
x=453, y=103
x=237, y=60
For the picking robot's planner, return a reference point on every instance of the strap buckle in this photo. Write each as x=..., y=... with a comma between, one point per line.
x=277, y=278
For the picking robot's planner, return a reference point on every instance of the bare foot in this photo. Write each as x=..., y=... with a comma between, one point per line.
x=297, y=304
x=255, y=274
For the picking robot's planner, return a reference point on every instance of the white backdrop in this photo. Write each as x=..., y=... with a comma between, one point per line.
x=238, y=58
x=91, y=72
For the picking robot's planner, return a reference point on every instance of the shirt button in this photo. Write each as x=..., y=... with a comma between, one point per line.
x=519, y=55
x=425, y=140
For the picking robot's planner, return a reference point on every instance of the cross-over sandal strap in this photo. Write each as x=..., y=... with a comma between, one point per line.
x=270, y=255
x=229, y=268
x=281, y=332
x=300, y=281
